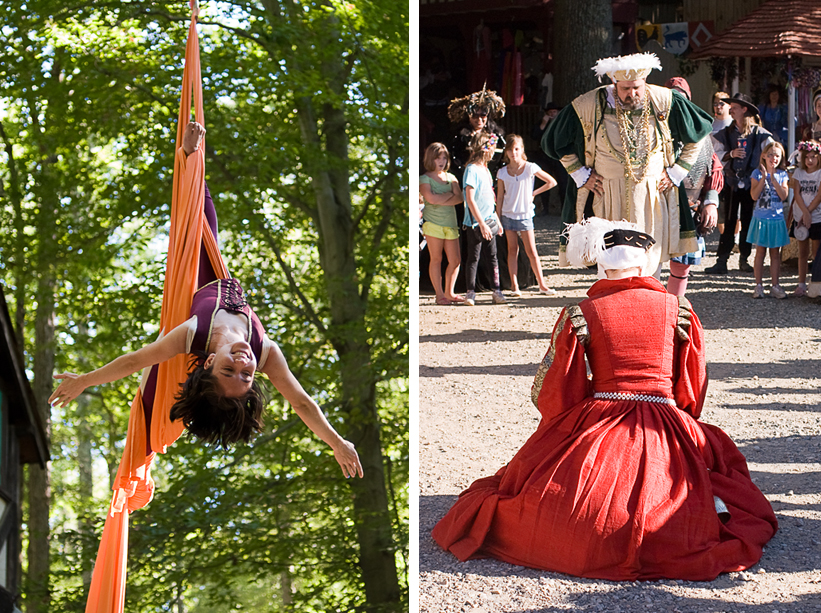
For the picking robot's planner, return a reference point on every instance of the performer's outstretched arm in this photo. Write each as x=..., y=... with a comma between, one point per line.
x=276, y=368
x=162, y=349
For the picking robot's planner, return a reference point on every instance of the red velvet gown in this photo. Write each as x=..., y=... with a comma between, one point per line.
x=619, y=489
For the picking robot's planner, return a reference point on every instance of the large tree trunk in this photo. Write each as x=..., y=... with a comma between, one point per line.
x=39, y=488
x=584, y=36
x=349, y=336
x=348, y=331
x=85, y=488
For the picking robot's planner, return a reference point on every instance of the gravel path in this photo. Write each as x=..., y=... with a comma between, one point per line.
x=476, y=366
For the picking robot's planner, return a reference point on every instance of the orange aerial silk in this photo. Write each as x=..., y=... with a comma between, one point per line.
x=133, y=486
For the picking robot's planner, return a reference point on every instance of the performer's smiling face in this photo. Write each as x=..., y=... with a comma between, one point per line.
x=631, y=93
x=233, y=365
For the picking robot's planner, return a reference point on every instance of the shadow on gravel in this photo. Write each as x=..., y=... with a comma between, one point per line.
x=783, y=449
x=791, y=369
x=655, y=598
x=484, y=336
x=514, y=370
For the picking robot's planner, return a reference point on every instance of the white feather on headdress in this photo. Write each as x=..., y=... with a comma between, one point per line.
x=627, y=67
x=585, y=240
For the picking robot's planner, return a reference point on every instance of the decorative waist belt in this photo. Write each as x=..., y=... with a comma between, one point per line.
x=629, y=396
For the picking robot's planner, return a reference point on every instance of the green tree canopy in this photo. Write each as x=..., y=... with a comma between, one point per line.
x=306, y=112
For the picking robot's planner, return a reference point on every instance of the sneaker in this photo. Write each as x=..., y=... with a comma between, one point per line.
x=743, y=266
x=548, y=292
x=758, y=292
x=801, y=290
x=776, y=291
x=470, y=298
x=498, y=298
x=719, y=268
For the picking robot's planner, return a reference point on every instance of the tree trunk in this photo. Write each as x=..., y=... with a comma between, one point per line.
x=39, y=488
x=584, y=37
x=349, y=336
x=348, y=330
x=85, y=490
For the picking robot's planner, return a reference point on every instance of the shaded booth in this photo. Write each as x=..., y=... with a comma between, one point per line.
x=780, y=35
x=22, y=441
x=784, y=31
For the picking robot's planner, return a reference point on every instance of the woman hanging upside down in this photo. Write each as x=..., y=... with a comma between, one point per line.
x=220, y=402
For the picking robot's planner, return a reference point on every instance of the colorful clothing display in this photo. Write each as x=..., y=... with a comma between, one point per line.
x=620, y=481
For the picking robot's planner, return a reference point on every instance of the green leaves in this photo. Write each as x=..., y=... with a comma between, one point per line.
x=306, y=112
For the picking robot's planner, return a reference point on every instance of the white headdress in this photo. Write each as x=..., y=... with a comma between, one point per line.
x=627, y=67
x=592, y=241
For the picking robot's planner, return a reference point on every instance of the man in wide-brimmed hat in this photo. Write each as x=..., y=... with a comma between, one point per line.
x=741, y=142
x=616, y=142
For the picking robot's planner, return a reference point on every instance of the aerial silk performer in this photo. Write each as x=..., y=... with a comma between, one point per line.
x=210, y=323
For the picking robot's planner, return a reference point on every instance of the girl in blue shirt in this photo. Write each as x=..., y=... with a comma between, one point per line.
x=480, y=222
x=768, y=229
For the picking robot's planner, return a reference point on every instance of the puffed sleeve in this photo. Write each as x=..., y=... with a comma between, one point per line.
x=561, y=381
x=690, y=384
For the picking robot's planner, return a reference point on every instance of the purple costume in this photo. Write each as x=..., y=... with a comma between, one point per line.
x=213, y=294
x=225, y=294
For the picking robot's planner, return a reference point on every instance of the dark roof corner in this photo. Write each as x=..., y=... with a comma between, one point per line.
x=23, y=415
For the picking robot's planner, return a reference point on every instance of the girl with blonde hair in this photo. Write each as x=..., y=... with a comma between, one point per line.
x=514, y=206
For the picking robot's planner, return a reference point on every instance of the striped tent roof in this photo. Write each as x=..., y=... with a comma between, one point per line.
x=776, y=28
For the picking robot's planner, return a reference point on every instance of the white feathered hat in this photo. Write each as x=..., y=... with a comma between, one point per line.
x=613, y=245
x=627, y=67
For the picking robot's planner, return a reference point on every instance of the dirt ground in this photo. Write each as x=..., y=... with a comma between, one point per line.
x=476, y=367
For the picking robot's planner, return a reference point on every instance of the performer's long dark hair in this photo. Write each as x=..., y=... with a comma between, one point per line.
x=212, y=417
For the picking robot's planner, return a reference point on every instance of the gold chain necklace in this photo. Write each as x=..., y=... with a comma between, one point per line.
x=634, y=140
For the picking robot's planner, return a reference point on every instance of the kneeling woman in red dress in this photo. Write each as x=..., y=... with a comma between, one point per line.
x=620, y=481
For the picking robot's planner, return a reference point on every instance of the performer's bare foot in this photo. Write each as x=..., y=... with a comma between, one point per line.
x=192, y=137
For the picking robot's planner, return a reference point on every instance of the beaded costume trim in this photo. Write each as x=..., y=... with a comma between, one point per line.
x=630, y=396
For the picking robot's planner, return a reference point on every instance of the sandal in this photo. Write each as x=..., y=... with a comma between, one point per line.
x=443, y=302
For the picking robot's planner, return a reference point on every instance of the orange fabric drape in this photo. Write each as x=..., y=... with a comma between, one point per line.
x=133, y=486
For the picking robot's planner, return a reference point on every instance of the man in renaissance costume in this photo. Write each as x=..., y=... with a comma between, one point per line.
x=617, y=142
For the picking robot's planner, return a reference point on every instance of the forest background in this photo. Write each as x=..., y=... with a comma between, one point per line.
x=306, y=107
